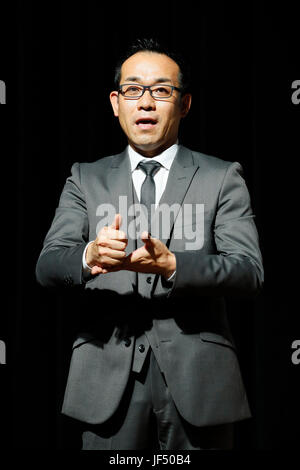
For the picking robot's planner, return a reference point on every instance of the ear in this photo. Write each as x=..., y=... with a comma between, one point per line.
x=114, y=100
x=185, y=104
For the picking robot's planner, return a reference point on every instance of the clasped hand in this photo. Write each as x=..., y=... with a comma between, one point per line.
x=107, y=253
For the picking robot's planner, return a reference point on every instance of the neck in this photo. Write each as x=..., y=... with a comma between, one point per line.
x=152, y=152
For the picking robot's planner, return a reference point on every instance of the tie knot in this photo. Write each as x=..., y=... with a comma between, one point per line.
x=150, y=168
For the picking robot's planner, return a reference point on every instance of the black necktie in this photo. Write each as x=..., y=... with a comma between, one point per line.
x=148, y=186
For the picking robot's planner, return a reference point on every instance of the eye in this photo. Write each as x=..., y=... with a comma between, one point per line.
x=162, y=91
x=132, y=90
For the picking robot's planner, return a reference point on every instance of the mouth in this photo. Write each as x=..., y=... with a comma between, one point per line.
x=146, y=123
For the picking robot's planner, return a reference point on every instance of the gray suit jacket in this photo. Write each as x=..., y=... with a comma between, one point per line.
x=184, y=321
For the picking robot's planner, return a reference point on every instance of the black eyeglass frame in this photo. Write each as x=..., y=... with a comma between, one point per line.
x=147, y=87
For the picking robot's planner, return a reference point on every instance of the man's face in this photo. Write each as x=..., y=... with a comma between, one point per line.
x=150, y=68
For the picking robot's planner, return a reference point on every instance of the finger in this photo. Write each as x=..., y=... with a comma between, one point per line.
x=115, y=239
x=109, y=233
x=98, y=270
x=117, y=222
x=148, y=240
x=113, y=244
x=110, y=263
x=145, y=236
x=108, y=253
x=135, y=256
x=113, y=269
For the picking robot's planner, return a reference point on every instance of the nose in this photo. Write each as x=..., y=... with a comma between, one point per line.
x=146, y=101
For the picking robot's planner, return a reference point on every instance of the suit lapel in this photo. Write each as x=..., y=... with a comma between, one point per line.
x=180, y=177
x=120, y=186
x=119, y=181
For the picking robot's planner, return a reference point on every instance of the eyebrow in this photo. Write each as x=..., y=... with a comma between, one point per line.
x=157, y=80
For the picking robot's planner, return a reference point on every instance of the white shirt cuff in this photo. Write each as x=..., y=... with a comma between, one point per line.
x=85, y=267
x=171, y=278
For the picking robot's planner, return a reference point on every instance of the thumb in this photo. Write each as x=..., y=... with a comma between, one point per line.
x=117, y=222
x=147, y=239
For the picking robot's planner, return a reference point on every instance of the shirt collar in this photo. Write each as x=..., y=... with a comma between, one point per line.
x=165, y=158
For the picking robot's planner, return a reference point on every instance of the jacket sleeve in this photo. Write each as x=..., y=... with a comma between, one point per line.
x=235, y=268
x=60, y=262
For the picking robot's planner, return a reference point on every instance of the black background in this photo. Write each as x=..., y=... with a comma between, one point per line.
x=57, y=61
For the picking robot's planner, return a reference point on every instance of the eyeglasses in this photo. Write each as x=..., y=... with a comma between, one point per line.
x=158, y=92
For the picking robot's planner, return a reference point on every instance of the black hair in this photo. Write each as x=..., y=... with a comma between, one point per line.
x=154, y=45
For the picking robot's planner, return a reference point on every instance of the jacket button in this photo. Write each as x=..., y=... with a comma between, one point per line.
x=127, y=342
x=149, y=280
x=141, y=348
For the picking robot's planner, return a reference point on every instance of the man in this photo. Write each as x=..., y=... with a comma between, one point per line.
x=157, y=248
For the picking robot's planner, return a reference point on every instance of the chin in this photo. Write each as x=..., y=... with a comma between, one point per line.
x=146, y=145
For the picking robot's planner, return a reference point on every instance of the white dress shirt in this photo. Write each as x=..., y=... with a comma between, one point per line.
x=160, y=178
x=166, y=159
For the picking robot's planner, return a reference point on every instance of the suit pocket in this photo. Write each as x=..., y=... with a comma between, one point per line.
x=215, y=338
